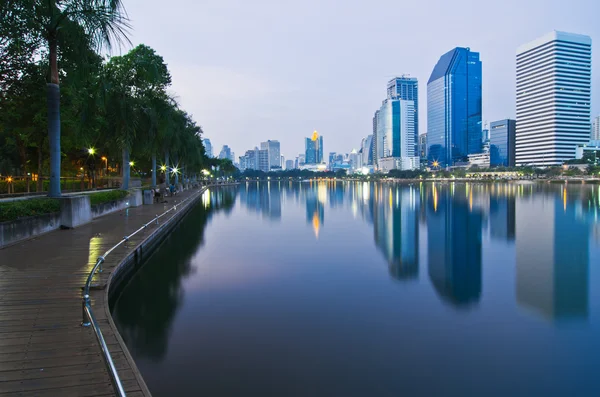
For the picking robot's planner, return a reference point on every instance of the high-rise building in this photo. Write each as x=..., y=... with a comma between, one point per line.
x=454, y=107
x=226, y=153
x=366, y=147
x=406, y=88
x=207, y=147
x=423, y=146
x=553, y=98
x=374, y=139
x=502, y=143
x=355, y=160
x=263, y=160
x=596, y=129
x=289, y=164
x=314, y=149
x=273, y=147
x=395, y=135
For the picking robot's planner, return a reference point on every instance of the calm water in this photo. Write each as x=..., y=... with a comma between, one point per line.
x=357, y=289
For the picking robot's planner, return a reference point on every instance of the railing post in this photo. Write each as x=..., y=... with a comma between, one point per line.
x=85, y=320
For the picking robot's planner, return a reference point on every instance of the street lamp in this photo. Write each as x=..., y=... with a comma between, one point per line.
x=91, y=151
x=131, y=163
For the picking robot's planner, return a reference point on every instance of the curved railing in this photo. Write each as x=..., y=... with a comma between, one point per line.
x=88, y=314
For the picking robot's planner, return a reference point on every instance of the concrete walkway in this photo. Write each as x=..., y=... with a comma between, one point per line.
x=44, y=351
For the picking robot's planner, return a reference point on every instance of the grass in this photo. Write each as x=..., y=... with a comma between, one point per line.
x=105, y=197
x=9, y=211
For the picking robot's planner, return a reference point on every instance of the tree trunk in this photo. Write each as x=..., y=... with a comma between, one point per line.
x=126, y=167
x=40, y=182
x=53, y=102
x=153, y=169
x=168, y=170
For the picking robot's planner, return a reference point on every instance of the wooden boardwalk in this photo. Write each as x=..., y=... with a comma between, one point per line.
x=44, y=350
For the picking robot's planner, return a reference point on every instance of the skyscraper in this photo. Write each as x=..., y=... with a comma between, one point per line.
x=406, y=88
x=395, y=135
x=374, y=144
x=366, y=147
x=314, y=149
x=454, y=107
x=207, y=147
x=273, y=147
x=596, y=129
x=226, y=153
x=423, y=146
x=553, y=98
x=289, y=164
x=502, y=143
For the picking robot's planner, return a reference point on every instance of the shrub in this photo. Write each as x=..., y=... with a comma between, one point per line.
x=11, y=210
x=105, y=197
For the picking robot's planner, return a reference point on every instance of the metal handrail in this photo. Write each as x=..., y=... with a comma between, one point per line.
x=87, y=312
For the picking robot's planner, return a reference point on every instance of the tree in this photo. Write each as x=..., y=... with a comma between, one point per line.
x=132, y=85
x=103, y=21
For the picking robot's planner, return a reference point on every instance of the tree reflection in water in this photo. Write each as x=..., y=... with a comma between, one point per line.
x=146, y=307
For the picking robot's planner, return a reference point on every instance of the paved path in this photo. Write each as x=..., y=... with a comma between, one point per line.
x=44, y=351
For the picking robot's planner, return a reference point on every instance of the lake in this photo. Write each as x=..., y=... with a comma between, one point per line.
x=373, y=289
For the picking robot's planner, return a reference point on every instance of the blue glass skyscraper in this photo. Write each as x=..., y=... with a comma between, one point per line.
x=502, y=143
x=406, y=88
x=454, y=107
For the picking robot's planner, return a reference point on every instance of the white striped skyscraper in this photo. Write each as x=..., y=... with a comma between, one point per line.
x=553, y=98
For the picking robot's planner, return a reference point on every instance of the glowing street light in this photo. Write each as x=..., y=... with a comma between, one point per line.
x=131, y=163
x=174, y=170
x=91, y=151
x=163, y=168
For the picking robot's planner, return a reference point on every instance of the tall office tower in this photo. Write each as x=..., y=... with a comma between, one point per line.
x=225, y=153
x=273, y=147
x=289, y=164
x=314, y=149
x=596, y=129
x=406, y=88
x=395, y=135
x=366, y=147
x=374, y=144
x=502, y=143
x=423, y=146
x=553, y=98
x=207, y=147
x=454, y=107
x=263, y=160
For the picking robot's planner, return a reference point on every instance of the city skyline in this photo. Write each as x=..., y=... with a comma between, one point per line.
x=288, y=93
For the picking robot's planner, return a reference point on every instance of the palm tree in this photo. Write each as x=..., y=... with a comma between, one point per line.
x=104, y=21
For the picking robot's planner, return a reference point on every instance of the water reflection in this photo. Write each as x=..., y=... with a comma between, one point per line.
x=472, y=256
x=552, y=257
x=454, y=228
x=146, y=307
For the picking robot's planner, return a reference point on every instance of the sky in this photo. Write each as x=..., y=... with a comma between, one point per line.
x=249, y=71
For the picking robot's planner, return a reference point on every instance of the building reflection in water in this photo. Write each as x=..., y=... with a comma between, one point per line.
x=552, y=256
x=502, y=212
x=454, y=243
x=263, y=198
x=396, y=228
x=316, y=197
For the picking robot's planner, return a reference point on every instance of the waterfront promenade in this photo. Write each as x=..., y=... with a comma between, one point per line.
x=44, y=350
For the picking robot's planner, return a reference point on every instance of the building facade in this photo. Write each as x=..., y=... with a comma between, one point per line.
x=395, y=136
x=207, y=147
x=454, y=107
x=596, y=129
x=553, y=98
x=406, y=88
x=423, y=147
x=226, y=153
x=502, y=143
x=314, y=149
x=274, y=149
x=289, y=164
